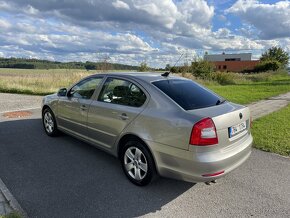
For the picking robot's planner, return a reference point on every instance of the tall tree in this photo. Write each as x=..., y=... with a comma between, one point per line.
x=167, y=67
x=143, y=67
x=276, y=54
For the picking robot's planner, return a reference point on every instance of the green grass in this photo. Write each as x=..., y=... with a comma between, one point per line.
x=12, y=215
x=247, y=93
x=272, y=132
x=251, y=88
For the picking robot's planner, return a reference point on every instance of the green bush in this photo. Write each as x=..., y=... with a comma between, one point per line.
x=224, y=78
x=202, y=69
x=174, y=69
x=260, y=77
x=268, y=65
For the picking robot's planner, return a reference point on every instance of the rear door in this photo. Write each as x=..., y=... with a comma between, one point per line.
x=119, y=103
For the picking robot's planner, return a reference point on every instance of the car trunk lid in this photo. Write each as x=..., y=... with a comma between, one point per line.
x=232, y=122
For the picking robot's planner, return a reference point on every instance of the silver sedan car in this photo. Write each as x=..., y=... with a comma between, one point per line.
x=156, y=124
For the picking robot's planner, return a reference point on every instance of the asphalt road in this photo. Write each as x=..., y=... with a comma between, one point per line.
x=64, y=177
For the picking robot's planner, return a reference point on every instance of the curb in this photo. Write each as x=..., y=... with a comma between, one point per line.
x=11, y=200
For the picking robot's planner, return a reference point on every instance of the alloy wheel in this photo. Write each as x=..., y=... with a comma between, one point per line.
x=135, y=163
x=48, y=122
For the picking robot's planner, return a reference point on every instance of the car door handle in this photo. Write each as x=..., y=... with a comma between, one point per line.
x=83, y=107
x=123, y=116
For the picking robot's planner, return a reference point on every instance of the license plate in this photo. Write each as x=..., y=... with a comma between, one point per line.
x=234, y=130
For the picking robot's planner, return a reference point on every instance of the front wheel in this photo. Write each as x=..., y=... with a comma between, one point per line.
x=137, y=163
x=49, y=122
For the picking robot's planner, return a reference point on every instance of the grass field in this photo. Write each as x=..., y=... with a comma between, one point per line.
x=247, y=93
x=38, y=82
x=12, y=215
x=251, y=88
x=272, y=132
x=247, y=88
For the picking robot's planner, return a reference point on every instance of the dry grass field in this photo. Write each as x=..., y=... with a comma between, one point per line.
x=39, y=82
x=238, y=88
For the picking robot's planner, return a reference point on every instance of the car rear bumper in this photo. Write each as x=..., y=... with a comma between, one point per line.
x=200, y=167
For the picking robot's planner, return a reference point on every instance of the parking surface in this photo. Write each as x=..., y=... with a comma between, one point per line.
x=64, y=177
x=12, y=102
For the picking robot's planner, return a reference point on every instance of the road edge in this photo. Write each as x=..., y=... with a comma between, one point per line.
x=11, y=200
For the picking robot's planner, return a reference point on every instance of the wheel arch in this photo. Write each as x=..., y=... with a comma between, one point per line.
x=53, y=113
x=125, y=138
x=45, y=107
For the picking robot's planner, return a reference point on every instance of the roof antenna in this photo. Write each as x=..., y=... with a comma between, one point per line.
x=166, y=74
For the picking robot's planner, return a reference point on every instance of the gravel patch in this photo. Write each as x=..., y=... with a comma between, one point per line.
x=14, y=102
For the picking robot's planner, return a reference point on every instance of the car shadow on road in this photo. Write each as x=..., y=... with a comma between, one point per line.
x=65, y=177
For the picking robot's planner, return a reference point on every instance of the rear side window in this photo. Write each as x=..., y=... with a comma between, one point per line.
x=188, y=94
x=123, y=92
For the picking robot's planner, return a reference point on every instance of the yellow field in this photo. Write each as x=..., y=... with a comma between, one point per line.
x=39, y=81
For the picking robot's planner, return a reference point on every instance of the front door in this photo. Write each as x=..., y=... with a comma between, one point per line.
x=73, y=108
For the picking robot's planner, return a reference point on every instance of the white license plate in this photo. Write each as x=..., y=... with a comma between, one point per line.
x=234, y=130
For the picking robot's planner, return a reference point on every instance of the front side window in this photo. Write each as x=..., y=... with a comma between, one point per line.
x=86, y=88
x=123, y=92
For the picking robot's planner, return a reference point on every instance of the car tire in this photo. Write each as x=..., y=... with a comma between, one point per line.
x=49, y=122
x=137, y=163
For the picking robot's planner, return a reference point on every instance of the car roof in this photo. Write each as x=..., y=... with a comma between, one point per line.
x=145, y=76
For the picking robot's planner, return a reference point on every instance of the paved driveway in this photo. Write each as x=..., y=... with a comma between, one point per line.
x=13, y=102
x=64, y=177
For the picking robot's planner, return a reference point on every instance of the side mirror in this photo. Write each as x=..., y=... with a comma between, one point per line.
x=62, y=92
x=70, y=93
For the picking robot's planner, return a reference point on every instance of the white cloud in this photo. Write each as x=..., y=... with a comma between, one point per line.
x=163, y=12
x=121, y=5
x=4, y=25
x=4, y=5
x=271, y=20
x=51, y=38
x=222, y=33
x=196, y=11
x=31, y=10
x=131, y=31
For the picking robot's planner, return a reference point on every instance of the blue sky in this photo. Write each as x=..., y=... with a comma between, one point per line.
x=132, y=31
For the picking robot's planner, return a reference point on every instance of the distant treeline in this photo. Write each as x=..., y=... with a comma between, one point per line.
x=23, y=63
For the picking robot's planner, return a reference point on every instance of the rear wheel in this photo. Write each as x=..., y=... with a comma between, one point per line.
x=137, y=163
x=49, y=122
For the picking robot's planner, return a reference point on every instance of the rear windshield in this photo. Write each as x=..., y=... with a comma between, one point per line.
x=188, y=94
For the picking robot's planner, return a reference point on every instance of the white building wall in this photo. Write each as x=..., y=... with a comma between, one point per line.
x=223, y=57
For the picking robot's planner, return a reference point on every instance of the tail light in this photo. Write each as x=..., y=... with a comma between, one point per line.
x=204, y=133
